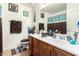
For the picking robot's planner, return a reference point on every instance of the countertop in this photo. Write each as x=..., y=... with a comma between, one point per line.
x=62, y=44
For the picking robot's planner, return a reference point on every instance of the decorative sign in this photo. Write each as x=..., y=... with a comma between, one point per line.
x=13, y=7
x=25, y=13
x=15, y=26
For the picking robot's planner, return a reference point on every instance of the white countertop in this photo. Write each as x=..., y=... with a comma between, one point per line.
x=62, y=44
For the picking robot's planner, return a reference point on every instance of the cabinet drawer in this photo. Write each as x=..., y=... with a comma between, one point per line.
x=60, y=52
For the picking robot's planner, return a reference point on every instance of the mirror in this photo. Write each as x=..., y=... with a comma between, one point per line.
x=55, y=17
x=52, y=15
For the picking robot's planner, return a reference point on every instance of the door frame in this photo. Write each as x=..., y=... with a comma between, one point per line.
x=1, y=40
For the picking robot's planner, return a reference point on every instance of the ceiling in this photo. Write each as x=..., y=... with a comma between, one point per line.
x=54, y=8
x=49, y=8
x=31, y=5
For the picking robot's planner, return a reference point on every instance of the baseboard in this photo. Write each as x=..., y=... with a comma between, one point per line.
x=7, y=53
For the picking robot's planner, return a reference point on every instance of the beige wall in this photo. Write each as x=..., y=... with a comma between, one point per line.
x=13, y=40
x=72, y=17
x=41, y=20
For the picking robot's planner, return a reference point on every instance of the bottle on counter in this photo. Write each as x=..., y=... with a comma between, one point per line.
x=50, y=32
x=56, y=31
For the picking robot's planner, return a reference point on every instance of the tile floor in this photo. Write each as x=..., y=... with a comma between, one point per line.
x=24, y=53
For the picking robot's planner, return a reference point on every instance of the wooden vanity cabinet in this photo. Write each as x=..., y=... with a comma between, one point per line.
x=40, y=48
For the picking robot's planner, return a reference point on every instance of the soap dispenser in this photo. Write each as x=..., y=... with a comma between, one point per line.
x=77, y=38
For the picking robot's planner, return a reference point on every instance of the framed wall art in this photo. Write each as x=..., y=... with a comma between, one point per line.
x=13, y=7
x=25, y=13
x=15, y=26
x=42, y=15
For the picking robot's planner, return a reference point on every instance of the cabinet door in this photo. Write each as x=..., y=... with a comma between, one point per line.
x=35, y=47
x=53, y=52
x=61, y=52
x=44, y=49
x=30, y=44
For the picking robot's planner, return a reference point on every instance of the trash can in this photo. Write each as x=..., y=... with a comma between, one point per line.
x=25, y=43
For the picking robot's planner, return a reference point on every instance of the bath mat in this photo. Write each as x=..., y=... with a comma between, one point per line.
x=17, y=50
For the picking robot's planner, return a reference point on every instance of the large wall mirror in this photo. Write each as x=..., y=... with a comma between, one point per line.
x=57, y=18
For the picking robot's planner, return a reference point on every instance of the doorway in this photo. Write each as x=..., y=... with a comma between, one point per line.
x=1, y=48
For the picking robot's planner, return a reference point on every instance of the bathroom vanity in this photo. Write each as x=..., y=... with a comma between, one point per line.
x=49, y=46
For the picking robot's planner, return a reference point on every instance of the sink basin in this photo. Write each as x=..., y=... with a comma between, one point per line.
x=71, y=40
